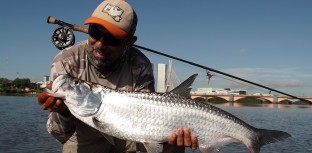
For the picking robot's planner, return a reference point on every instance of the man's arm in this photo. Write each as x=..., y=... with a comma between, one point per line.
x=61, y=127
x=60, y=123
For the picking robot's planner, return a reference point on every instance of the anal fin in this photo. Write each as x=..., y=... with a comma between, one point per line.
x=216, y=145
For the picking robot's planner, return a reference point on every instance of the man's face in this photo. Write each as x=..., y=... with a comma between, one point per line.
x=103, y=48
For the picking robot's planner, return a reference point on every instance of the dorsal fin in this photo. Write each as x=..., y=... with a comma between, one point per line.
x=184, y=88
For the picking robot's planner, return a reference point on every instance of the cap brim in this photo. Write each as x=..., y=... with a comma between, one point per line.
x=113, y=29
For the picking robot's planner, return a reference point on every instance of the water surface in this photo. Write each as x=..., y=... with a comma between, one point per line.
x=22, y=126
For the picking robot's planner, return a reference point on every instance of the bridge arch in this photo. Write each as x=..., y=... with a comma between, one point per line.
x=210, y=97
x=290, y=100
x=266, y=98
x=233, y=98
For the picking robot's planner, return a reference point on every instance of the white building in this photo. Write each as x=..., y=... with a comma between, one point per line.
x=206, y=90
x=45, y=81
x=161, y=78
x=219, y=91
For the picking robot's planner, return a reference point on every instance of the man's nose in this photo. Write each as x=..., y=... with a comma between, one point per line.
x=100, y=43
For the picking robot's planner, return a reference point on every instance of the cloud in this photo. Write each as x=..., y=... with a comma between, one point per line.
x=285, y=83
x=243, y=50
x=271, y=77
x=290, y=80
x=268, y=72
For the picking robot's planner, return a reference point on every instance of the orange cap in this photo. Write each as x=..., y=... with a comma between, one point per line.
x=117, y=16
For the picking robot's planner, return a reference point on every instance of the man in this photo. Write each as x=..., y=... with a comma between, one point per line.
x=106, y=58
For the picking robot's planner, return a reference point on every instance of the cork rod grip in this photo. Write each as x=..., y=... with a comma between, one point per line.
x=79, y=28
x=75, y=27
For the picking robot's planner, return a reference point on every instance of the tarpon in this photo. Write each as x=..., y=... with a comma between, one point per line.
x=150, y=118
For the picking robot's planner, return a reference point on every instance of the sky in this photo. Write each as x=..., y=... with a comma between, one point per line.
x=267, y=42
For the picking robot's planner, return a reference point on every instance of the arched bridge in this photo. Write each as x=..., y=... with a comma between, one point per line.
x=233, y=98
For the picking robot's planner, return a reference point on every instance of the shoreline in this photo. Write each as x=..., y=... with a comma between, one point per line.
x=19, y=94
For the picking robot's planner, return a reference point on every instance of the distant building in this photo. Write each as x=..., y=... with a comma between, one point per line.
x=46, y=80
x=219, y=91
x=161, y=78
x=206, y=90
x=238, y=92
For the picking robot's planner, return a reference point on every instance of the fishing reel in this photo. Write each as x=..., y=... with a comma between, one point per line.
x=63, y=37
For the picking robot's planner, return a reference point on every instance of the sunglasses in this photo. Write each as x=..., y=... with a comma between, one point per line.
x=109, y=40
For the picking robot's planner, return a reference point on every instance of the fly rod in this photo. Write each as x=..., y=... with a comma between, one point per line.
x=64, y=43
x=216, y=71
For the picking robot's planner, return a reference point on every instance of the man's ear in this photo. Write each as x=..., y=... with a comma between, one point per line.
x=131, y=40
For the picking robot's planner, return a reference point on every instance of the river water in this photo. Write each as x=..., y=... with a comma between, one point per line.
x=22, y=126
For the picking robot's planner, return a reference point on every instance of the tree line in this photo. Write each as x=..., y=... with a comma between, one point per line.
x=18, y=85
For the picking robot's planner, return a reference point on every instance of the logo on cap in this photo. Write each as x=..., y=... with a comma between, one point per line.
x=114, y=11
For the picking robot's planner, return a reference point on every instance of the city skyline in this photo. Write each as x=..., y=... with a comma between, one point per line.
x=267, y=42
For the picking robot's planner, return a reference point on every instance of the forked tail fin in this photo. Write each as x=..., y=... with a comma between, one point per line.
x=265, y=137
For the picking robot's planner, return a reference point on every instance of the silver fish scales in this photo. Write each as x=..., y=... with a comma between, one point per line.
x=150, y=118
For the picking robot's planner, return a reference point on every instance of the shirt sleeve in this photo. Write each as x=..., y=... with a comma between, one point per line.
x=145, y=82
x=60, y=127
x=142, y=69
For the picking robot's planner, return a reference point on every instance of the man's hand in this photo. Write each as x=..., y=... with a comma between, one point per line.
x=52, y=104
x=183, y=137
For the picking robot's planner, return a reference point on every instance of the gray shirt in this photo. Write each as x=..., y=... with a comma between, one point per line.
x=135, y=73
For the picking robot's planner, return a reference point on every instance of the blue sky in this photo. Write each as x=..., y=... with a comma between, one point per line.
x=267, y=42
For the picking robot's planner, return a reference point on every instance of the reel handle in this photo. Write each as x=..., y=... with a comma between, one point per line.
x=75, y=27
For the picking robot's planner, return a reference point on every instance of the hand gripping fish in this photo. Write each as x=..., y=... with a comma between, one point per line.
x=150, y=118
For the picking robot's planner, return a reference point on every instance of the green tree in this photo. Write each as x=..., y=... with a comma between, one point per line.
x=5, y=84
x=21, y=83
